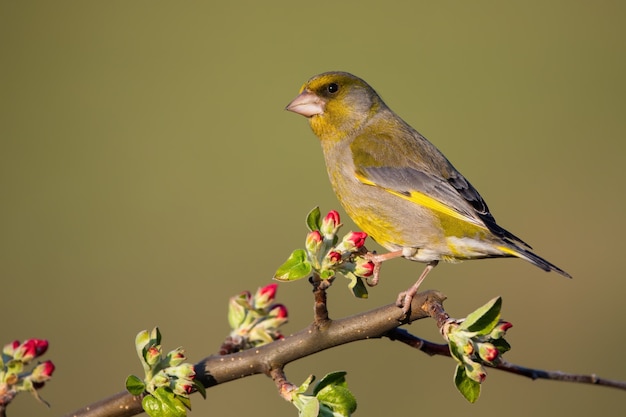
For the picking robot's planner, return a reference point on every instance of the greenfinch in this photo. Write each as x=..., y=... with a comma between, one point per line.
x=397, y=186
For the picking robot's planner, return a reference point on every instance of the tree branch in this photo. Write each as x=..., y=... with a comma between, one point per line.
x=270, y=359
x=432, y=349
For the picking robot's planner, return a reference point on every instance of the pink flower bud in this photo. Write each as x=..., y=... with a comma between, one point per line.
x=31, y=349
x=334, y=257
x=313, y=241
x=187, y=388
x=153, y=355
x=42, y=372
x=176, y=356
x=279, y=311
x=330, y=224
x=358, y=238
x=265, y=295
x=364, y=268
x=500, y=329
x=487, y=352
x=9, y=348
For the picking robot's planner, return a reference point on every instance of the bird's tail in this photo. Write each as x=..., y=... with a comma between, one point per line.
x=534, y=259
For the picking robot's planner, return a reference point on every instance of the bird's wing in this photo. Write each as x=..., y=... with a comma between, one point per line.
x=450, y=193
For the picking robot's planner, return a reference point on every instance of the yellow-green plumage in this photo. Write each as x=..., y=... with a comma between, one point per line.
x=396, y=185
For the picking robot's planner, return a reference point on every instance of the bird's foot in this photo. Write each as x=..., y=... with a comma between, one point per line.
x=406, y=297
x=404, y=301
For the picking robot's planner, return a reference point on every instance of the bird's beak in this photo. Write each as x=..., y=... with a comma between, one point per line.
x=306, y=104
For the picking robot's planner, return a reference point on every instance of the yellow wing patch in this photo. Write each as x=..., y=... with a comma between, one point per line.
x=424, y=201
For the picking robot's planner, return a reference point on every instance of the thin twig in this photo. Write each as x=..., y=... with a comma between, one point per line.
x=431, y=348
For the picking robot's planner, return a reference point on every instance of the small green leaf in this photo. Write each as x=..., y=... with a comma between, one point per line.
x=469, y=388
x=134, y=385
x=184, y=401
x=163, y=403
x=200, y=388
x=327, y=274
x=485, y=318
x=294, y=268
x=356, y=286
x=338, y=399
x=313, y=219
x=307, y=405
x=335, y=397
x=141, y=341
x=455, y=351
x=333, y=378
x=156, y=335
x=151, y=406
x=502, y=345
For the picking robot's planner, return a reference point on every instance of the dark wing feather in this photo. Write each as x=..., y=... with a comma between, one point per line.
x=469, y=193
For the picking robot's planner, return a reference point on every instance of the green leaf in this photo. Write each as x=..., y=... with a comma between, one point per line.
x=307, y=405
x=335, y=397
x=163, y=403
x=134, y=385
x=184, y=401
x=200, y=388
x=502, y=345
x=294, y=268
x=456, y=352
x=485, y=318
x=141, y=341
x=469, y=388
x=314, y=219
x=356, y=286
x=327, y=274
x=156, y=336
x=305, y=385
x=333, y=378
x=338, y=399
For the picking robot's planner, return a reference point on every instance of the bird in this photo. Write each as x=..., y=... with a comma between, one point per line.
x=397, y=186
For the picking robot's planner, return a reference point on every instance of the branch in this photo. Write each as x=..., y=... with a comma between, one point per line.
x=219, y=369
x=432, y=349
x=324, y=333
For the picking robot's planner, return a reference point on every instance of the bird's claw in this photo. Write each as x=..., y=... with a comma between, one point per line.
x=404, y=301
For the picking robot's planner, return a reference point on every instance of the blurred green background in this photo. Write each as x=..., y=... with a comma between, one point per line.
x=148, y=172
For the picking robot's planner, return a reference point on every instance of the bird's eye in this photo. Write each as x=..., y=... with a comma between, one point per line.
x=333, y=88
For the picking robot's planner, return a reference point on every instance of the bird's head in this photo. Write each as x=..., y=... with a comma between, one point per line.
x=336, y=104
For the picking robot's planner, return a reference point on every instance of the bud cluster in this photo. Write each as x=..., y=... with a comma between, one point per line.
x=13, y=374
x=328, y=255
x=473, y=349
x=169, y=371
x=324, y=255
x=255, y=318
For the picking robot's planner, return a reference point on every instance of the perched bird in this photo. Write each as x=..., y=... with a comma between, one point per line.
x=396, y=185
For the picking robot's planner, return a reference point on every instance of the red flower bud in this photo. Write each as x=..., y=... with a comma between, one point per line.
x=332, y=218
x=279, y=311
x=265, y=295
x=313, y=241
x=364, y=268
x=356, y=238
x=334, y=257
x=269, y=290
x=500, y=329
x=42, y=372
x=488, y=352
x=153, y=355
x=31, y=349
